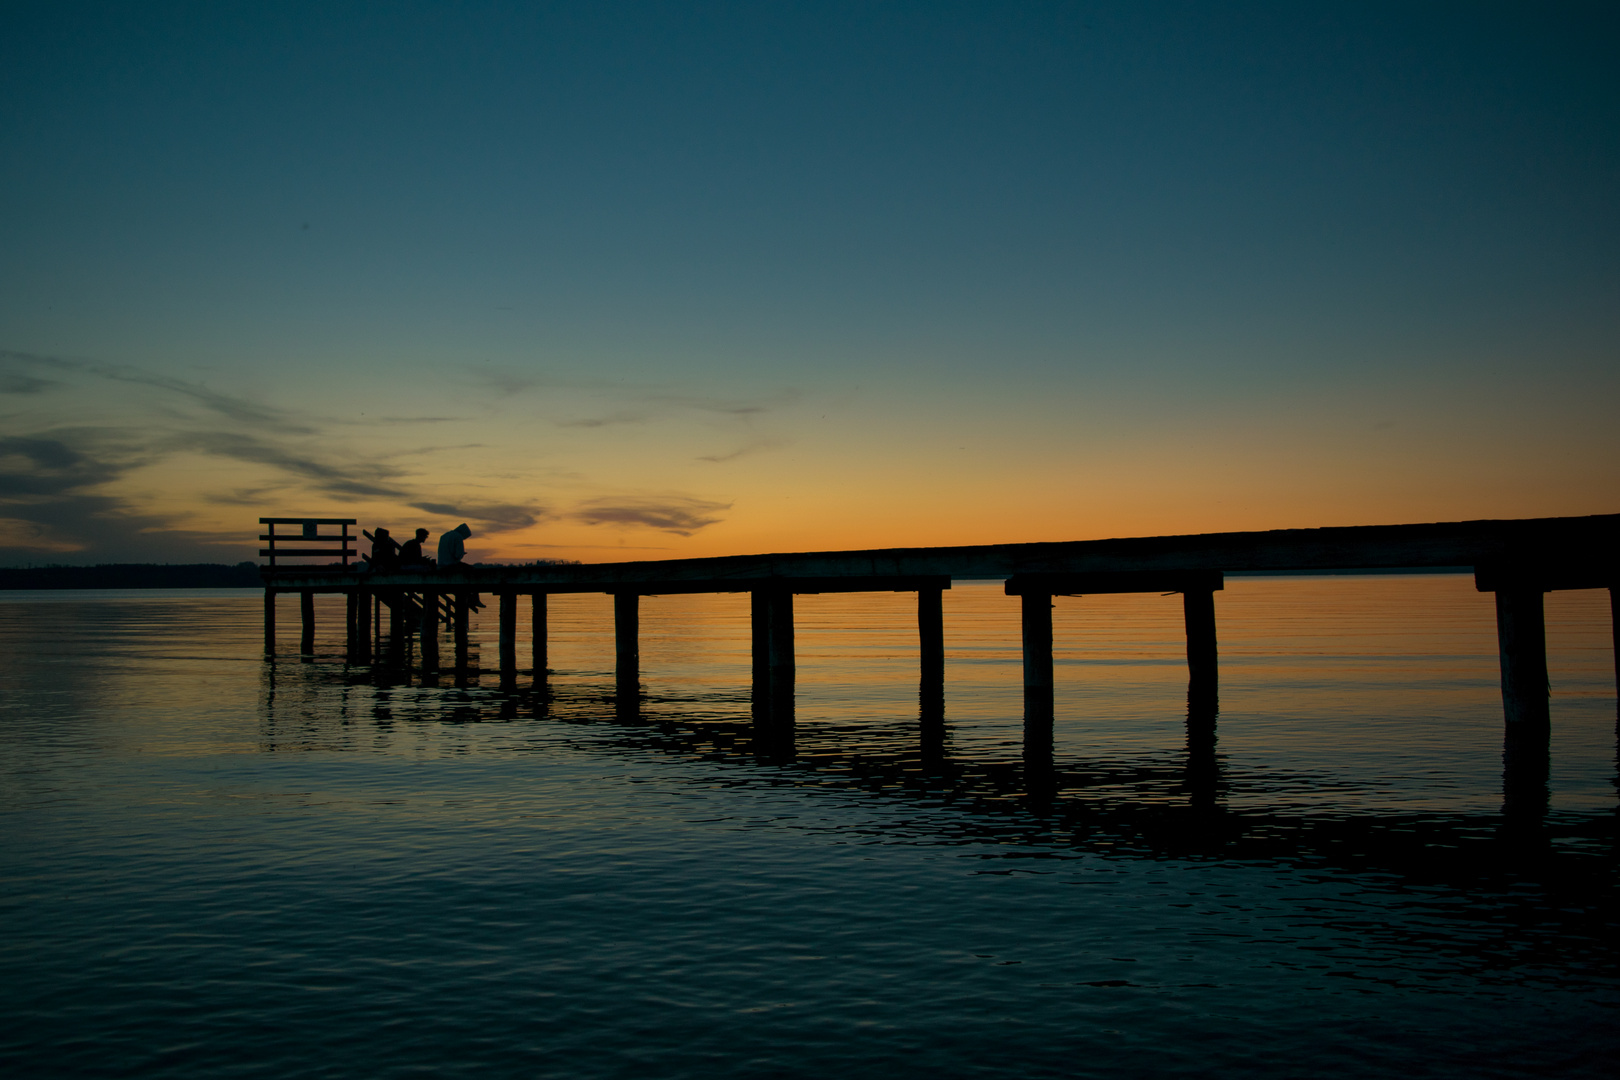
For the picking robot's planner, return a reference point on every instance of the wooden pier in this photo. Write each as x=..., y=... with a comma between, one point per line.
x=1517, y=560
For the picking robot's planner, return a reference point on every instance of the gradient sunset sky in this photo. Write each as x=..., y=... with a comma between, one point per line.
x=652, y=280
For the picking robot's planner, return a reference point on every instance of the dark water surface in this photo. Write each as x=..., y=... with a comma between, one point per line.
x=218, y=867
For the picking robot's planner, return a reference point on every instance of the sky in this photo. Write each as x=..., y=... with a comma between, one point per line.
x=653, y=280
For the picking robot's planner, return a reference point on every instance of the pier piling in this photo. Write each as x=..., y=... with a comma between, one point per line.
x=1522, y=640
x=1037, y=625
x=759, y=609
x=538, y=660
x=783, y=665
x=627, y=640
x=270, y=622
x=461, y=611
x=1614, y=636
x=430, y=631
x=362, y=626
x=931, y=636
x=1038, y=713
x=306, y=612
x=508, y=634
x=351, y=616
x=1203, y=669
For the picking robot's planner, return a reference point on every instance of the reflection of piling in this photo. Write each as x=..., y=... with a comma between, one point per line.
x=1203, y=773
x=931, y=725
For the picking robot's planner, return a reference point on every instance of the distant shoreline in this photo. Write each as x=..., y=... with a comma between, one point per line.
x=246, y=575
x=133, y=576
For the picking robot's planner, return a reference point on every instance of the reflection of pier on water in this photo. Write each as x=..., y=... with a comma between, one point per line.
x=1031, y=804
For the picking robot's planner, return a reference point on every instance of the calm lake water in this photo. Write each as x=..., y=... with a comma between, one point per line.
x=215, y=866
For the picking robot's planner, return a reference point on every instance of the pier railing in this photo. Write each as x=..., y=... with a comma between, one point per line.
x=312, y=543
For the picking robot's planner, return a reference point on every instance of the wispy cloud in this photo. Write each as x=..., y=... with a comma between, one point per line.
x=491, y=517
x=16, y=382
x=678, y=514
x=237, y=409
x=504, y=381
x=48, y=504
x=605, y=421
x=345, y=477
x=742, y=451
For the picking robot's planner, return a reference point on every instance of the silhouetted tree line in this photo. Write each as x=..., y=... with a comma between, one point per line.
x=244, y=575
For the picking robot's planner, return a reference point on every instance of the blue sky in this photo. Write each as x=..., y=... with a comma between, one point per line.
x=696, y=278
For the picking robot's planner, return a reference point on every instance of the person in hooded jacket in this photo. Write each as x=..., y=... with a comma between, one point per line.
x=453, y=545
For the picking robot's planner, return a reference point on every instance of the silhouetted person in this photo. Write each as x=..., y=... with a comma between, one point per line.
x=384, y=552
x=453, y=545
x=410, y=552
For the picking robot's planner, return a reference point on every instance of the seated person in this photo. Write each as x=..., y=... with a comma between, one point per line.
x=453, y=546
x=410, y=552
x=384, y=552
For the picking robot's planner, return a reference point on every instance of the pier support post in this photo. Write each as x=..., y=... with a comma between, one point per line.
x=1037, y=625
x=462, y=612
x=1203, y=669
x=362, y=625
x=508, y=634
x=539, y=659
x=931, y=637
x=306, y=611
x=931, y=675
x=1614, y=637
x=399, y=627
x=1522, y=640
x=270, y=622
x=627, y=641
x=759, y=610
x=430, y=632
x=784, y=668
x=774, y=672
x=351, y=633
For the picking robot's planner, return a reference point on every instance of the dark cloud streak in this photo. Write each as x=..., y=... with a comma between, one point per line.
x=678, y=514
